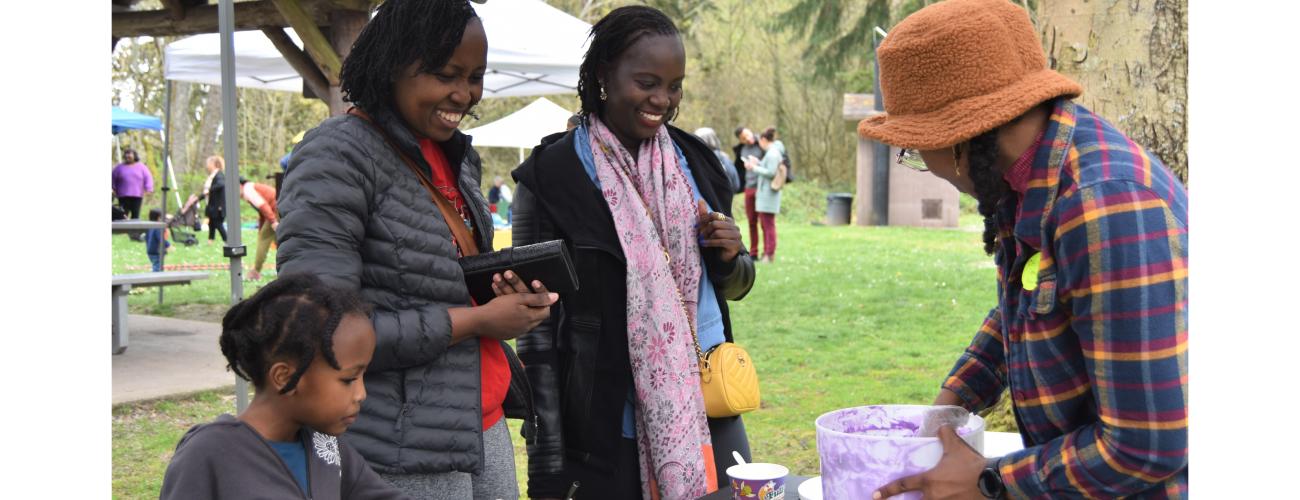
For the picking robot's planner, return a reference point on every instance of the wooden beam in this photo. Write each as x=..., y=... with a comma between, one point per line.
x=300, y=61
x=312, y=38
x=203, y=19
x=357, y=5
x=175, y=8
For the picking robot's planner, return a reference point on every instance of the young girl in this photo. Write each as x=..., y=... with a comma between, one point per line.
x=305, y=347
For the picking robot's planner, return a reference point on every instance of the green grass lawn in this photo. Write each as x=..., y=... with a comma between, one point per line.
x=846, y=316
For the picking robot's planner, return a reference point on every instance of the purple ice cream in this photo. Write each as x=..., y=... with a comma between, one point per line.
x=866, y=447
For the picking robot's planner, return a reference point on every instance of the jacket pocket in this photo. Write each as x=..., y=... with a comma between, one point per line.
x=1043, y=301
x=583, y=333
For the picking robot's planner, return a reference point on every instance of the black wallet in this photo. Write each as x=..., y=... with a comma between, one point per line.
x=547, y=262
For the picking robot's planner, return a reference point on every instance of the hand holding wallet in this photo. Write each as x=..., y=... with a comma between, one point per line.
x=547, y=262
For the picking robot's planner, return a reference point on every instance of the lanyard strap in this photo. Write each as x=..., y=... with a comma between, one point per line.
x=461, y=233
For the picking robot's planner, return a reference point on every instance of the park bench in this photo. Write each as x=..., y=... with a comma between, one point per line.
x=122, y=284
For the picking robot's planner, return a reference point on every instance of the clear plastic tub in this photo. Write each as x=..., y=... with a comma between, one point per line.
x=866, y=447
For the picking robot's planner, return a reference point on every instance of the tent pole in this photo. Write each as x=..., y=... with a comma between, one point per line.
x=167, y=152
x=234, y=248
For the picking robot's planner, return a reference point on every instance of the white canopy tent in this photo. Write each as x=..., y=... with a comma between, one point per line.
x=533, y=49
x=524, y=128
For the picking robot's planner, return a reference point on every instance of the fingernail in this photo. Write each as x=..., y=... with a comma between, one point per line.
x=876, y=495
x=553, y=296
x=537, y=284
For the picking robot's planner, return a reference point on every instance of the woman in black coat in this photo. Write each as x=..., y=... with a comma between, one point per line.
x=644, y=209
x=214, y=191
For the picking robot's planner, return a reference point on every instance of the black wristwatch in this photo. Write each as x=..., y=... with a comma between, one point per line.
x=990, y=482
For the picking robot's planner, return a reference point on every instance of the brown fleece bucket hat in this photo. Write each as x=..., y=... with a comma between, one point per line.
x=957, y=69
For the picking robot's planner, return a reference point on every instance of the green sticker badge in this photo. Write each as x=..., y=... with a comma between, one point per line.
x=1029, y=277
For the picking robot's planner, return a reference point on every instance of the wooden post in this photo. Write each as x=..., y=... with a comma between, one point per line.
x=345, y=26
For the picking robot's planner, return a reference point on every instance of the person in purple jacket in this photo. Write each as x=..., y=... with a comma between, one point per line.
x=131, y=180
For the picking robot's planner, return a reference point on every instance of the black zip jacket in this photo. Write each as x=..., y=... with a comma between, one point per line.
x=577, y=361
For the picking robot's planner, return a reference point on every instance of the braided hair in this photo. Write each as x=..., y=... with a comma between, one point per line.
x=402, y=32
x=292, y=318
x=610, y=37
x=990, y=188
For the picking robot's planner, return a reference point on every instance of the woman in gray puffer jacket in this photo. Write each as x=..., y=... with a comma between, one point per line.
x=358, y=209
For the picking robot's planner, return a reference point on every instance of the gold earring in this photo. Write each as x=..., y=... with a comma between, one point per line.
x=956, y=161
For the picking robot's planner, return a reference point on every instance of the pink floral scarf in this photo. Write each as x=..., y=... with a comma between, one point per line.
x=654, y=210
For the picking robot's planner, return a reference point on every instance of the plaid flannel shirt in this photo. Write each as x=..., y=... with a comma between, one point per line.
x=1095, y=356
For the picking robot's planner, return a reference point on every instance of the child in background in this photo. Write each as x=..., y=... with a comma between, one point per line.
x=156, y=242
x=305, y=347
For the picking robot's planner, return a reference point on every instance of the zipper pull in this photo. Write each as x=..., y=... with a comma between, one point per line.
x=406, y=410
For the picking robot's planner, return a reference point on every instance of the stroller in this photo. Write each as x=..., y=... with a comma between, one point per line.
x=186, y=218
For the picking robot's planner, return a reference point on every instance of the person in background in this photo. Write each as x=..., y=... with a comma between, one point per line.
x=214, y=191
x=747, y=152
x=643, y=209
x=284, y=160
x=156, y=241
x=507, y=197
x=711, y=140
x=306, y=348
x=131, y=180
x=372, y=202
x=262, y=198
x=494, y=196
x=767, y=201
x=1089, y=233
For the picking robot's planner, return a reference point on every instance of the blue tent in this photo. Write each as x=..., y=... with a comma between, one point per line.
x=124, y=120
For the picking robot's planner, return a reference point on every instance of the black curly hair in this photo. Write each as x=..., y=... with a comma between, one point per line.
x=610, y=37
x=990, y=187
x=402, y=32
x=291, y=318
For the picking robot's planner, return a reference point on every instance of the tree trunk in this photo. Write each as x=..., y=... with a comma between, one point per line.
x=209, y=124
x=180, y=128
x=1131, y=58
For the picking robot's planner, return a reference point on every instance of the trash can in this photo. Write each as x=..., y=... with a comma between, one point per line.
x=838, y=208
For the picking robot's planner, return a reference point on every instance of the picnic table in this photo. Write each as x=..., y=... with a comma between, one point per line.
x=122, y=284
x=136, y=226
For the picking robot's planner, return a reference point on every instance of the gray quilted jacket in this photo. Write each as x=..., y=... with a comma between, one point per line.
x=354, y=214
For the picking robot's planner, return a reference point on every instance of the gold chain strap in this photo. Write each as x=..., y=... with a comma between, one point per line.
x=668, y=260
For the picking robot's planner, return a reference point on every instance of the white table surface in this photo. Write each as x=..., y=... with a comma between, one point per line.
x=997, y=444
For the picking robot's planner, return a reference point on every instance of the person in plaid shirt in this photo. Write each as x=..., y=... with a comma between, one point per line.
x=1089, y=234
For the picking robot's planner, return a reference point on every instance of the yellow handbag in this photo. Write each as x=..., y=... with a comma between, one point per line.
x=728, y=380
x=727, y=375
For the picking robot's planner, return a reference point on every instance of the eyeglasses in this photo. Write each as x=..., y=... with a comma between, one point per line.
x=911, y=158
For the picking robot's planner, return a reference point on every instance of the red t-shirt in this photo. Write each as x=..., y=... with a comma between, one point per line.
x=495, y=370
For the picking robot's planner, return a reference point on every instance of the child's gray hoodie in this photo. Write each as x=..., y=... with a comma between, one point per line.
x=227, y=459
